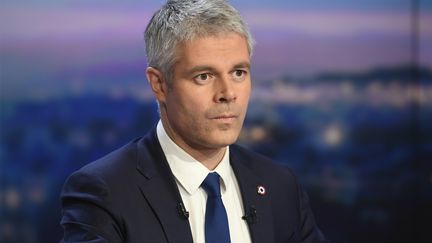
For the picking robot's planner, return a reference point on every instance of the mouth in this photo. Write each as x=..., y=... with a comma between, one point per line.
x=226, y=118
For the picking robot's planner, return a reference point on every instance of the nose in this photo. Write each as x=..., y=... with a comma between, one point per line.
x=225, y=91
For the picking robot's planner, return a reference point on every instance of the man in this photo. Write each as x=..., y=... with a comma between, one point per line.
x=186, y=181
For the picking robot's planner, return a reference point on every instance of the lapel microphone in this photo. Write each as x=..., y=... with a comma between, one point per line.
x=182, y=211
x=251, y=216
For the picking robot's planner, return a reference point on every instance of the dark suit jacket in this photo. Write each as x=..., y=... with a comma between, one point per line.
x=130, y=195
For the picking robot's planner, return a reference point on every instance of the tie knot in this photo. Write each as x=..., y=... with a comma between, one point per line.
x=211, y=185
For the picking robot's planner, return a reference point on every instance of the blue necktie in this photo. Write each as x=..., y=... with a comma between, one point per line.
x=216, y=221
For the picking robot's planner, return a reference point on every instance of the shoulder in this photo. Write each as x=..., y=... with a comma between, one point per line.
x=104, y=174
x=116, y=162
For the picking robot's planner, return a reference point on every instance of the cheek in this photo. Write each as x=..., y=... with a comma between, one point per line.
x=245, y=87
x=186, y=108
x=194, y=100
x=245, y=95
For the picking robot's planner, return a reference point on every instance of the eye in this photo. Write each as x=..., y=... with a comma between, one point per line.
x=239, y=74
x=202, y=78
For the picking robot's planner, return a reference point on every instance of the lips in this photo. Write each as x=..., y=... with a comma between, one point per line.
x=224, y=116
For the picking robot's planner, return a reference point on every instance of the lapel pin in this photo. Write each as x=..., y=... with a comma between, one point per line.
x=261, y=190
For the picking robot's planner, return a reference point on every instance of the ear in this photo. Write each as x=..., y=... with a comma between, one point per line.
x=157, y=83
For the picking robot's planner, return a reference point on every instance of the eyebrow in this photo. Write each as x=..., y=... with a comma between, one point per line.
x=197, y=69
x=242, y=65
x=201, y=68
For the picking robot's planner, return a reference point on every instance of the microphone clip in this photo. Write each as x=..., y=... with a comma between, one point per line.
x=182, y=211
x=251, y=216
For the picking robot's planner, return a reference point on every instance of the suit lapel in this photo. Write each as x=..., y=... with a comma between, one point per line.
x=260, y=226
x=160, y=190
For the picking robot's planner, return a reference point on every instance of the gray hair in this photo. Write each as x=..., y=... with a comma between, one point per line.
x=180, y=21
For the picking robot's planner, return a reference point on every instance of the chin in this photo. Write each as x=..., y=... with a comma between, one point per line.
x=224, y=139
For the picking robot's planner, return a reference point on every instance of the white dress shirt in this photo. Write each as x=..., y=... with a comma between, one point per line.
x=189, y=174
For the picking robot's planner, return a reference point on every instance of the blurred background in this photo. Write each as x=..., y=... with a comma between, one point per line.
x=342, y=95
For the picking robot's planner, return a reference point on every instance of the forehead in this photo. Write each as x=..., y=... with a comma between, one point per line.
x=226, y=47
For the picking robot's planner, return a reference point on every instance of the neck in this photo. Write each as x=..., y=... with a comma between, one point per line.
x=210, y=158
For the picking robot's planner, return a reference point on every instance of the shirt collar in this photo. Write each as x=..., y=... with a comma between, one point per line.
x=189, y=172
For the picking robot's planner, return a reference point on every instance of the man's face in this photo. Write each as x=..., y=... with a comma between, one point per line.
x=206, y=104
